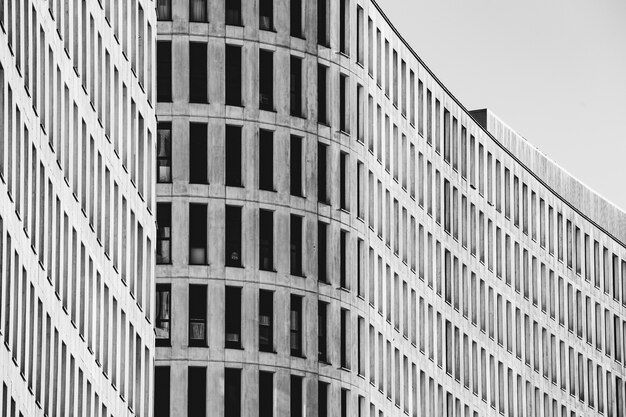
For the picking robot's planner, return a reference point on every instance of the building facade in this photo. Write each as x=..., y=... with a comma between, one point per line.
x=77, y=230
x=339, y=236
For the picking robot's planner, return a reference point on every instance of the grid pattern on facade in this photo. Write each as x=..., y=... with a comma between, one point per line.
x=77, y=234
x=357, y=241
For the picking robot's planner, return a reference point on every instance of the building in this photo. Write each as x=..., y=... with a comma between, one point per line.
x=77, y=230
x=339, y=236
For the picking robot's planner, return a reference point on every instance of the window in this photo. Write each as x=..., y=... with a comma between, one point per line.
x=322, y=343
x=266, y=240
x=196, y=391
x=266, y=160
x=164, y=154
x=322, y=18
x=295, y=86
x=296, y=245
x=164, y=12
x=322, y=399
x=197, y=234
x=344, y=36
x=161, y=390
x=198, y=153
x=233, y=74
x=198, y=11
x=296, y=405
x=164, y=71
x=295, y=166
x=233, y=14
x=233, y=156
x=198, y=86
x=233, y=236
x=343, y=111
x=266, y=80
x=295, y=325
x=163, y=308
x=164, y=226
x=322, y=255
x=343, y=193
x=266, y=321
x=266, y=394
x=266, y=15
x=232, y=392
x=296, y=18
x=344, y=339
x=343, y=273
x=322, y=116
x=322, y=187
x=233, y=318
x=360, y=35
x=197, y=315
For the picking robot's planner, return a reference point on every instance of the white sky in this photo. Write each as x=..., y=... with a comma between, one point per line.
x=553, y=70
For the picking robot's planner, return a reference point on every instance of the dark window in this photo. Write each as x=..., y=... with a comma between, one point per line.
x=197, y=315
x=233, y=236
x=266, y=240
x=233, y=75
x=322, y=18
x=233, y=318
x=343, y=193
x=233, y=156
x=266, y=394
x=296, y=86
x=295, y=325
x=266, y=321
x=198, y=153
x=164, y=11
x=163, y=320
x=266, y=160
x=296, y=18
x=322, y=117
x=322, y=399
x=266, y=80
x=232, y=392
x=164, y=230
x=295, y=166
x=343, y=273
x=164, y=71
x=197, y=234
x=344, y=339
x=446, y=135
x=196, y=391
x=343, y=36
x=322, y=349
x=233, y=12
x=198, y=10
x=197, y=72
x=344, y=402
x=161, y=391
x=164, y=152
x=296, y=396
x=296, y=245
x=343, y=112
x=266, y=15
x=322, y=260
x=322, y=187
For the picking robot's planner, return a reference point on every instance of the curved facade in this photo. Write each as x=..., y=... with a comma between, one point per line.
x=338, y=235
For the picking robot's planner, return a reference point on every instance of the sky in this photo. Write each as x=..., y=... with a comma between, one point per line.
x=553, y=70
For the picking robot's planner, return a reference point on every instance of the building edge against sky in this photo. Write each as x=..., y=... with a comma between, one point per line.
x=77, y=197
x=338, y=235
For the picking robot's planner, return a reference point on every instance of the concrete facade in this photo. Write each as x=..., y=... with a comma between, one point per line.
x=77, y=197
x=459, y=281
